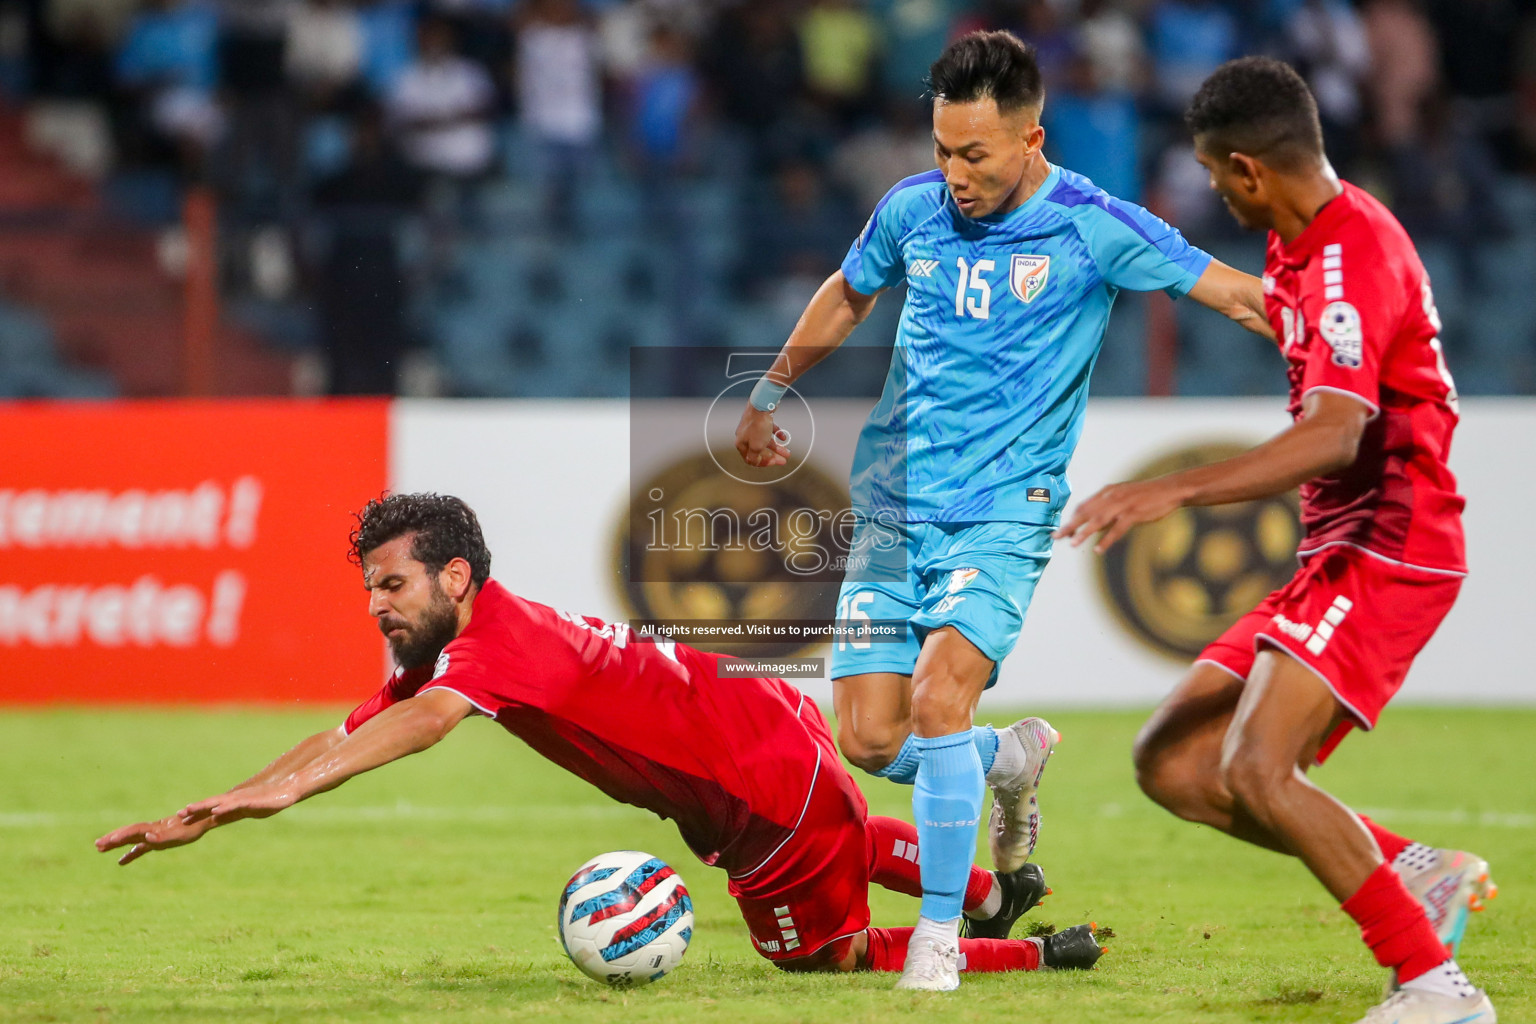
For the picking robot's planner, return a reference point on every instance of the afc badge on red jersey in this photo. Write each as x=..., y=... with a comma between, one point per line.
x=1341, y=328
x=1027, y=276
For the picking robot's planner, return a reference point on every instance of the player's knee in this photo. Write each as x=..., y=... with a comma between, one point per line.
x=942, y=706
x=1169, y=782
x=832, y=957
x=870, y=747
x=1154, y=773
x=1253, y=779
x=1161, y=771
x=1148, y=755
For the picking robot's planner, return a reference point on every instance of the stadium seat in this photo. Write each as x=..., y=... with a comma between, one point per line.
x=30, y=366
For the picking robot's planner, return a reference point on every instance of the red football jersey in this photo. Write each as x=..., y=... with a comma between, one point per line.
x=647, y=721
x=1351, y=304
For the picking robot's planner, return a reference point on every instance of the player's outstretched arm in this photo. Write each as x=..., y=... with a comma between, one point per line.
x=148, y=836
x=1235, y=295
x=170, y=832
x=832, y=314
x=408, y=727
x=1325, y=439
x=179, y=830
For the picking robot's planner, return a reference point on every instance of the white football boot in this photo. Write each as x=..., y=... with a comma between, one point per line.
x=1413, y=1006
x=1450, y=885
x=1014, y=827
x=932, y=966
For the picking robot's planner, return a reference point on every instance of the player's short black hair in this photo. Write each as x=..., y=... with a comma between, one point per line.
x=1260, y=107
x=444, y=528
x=978, y=65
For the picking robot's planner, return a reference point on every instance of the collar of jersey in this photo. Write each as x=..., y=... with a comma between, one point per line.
x=1322, y=228
x=1036, y=198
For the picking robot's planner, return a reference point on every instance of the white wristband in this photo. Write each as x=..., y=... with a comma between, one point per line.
x=767, y=394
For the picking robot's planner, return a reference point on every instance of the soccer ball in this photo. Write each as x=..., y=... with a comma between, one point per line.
x=625, y=919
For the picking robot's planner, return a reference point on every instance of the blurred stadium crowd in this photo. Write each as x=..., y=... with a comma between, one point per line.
x=500, y=197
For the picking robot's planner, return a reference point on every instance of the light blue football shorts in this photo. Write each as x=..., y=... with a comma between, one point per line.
x=977, y=577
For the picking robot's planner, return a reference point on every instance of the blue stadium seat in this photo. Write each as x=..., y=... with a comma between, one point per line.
x=30, y=365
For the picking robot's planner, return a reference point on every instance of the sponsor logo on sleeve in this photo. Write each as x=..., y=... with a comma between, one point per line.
x=1341, y=329
x=864, y=233
x=1027, y=276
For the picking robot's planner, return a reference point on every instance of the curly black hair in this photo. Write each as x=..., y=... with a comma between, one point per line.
x=1260, y=107
x=999, y=65
x=443, y=528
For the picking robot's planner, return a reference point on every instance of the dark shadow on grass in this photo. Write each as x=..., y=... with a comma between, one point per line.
x=1293, y=997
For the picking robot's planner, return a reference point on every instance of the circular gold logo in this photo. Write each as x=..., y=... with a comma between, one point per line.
x=752, y=548
x=1178, y=583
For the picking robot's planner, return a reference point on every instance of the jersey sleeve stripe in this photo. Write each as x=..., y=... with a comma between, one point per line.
x=1375, y=409
x=487, y=712
x=1067, y=194
x=1192, y=259
x=926, y=178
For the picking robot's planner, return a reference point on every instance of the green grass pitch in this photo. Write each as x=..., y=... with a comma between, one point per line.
x=426, y=891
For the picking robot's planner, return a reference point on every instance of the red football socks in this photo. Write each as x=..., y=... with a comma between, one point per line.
x=1391, y=843
x=992, y=956
x=1393, y=924
x=888, y=952
x=893, y=862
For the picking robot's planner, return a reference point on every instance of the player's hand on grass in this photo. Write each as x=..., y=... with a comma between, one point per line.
x=1118, y=507
x=237, y=804
x=148, y=836
x=759, y=441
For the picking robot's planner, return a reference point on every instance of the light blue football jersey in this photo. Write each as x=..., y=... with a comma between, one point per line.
x=1004, y=317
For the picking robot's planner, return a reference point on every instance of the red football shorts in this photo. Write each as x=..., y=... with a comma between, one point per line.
x=1355, y=619
x=814, y=890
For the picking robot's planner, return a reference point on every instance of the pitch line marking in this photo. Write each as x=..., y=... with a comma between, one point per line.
x=504, y=813
x=1416, y=816
x=350, y=815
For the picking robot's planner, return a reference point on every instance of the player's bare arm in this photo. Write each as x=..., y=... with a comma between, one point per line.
x=148, y=836
x=1235, y=295
x=303, y=752
x=170, y=832
x=832, y=314
x=408, y=727
x=1325, y=439
x=320, y=762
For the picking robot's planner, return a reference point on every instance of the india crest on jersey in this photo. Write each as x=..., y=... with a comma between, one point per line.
x=1026, y=277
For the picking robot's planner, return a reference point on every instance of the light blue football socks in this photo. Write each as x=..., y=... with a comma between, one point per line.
x=946, y=805
x=903, y=768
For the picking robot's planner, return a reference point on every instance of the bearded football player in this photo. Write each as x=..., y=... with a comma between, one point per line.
x=747, y=768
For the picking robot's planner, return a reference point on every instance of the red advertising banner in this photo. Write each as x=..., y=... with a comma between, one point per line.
x=186, y=551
